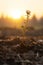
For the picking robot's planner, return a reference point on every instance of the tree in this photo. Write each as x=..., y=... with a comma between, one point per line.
x=41, y=21
x=34, y=21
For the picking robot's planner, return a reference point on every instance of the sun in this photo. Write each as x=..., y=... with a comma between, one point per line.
x=15, y=14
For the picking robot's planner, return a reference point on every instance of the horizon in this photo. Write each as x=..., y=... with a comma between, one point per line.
x=13, y=12
x=17, y=8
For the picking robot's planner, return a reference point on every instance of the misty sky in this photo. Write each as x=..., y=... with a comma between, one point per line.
x=35, y=6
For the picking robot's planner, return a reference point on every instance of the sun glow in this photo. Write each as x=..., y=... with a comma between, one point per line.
x=15, y=14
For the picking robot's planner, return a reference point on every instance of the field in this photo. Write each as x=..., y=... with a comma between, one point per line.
x=21, y=50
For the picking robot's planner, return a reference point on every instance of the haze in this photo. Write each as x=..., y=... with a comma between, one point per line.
x=35, y=6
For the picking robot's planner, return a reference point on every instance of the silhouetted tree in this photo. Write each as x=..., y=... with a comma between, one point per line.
x=41, y=21
x=33, y=21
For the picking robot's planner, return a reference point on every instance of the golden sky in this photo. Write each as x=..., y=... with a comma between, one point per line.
x=10, y=6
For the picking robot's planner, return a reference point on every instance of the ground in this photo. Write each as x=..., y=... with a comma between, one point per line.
x=22, y=51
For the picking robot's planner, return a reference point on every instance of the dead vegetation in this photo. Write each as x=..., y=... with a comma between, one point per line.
x=22, y=51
